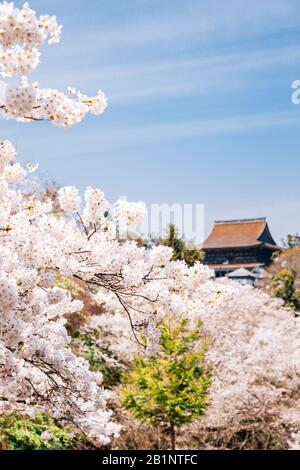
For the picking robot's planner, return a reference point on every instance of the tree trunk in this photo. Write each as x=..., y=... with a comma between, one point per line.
x=172, y=433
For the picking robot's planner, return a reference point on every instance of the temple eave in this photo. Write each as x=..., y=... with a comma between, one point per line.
x=233, y=266
x=241, y=247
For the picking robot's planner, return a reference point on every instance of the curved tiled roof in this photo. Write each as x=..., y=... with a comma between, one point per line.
x=240, y=233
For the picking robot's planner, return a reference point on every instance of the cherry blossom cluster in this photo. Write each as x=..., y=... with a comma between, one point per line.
x=295, y=441
x=253, y=350
x=22, y=34
x=130, y=213
x=38, y=370
x=28, y=102
x=95, y=206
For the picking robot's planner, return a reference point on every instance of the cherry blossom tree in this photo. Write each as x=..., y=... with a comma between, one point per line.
x=38, y=371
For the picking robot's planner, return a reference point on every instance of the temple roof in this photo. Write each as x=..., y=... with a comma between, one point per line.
x=240, y=234
x=241, y=272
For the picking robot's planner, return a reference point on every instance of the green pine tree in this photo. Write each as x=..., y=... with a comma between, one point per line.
x=181, y=249
x=24, y=433
x=170, y=388
x=283, y=287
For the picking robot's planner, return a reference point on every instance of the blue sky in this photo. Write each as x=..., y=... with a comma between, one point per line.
x=199, y=110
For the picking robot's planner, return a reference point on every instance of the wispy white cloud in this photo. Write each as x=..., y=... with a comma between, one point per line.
x=200, y=128
x=101, y=139
x=197, y=76
x=244, y=59
x=206, y=21
x=161, y=79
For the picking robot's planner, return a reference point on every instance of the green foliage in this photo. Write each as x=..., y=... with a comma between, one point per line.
x=170, y=388
x=24, y=433
x=182, y=251
x=291, y=241
x=275, y=255
x=86, y=345
x=70, y=285
x=111, y=375
x=283, y=287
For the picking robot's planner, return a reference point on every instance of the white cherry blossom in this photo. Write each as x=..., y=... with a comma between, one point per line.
x=22, y=34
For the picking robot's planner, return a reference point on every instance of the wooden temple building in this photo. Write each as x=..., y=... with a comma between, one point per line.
x=236, y=244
